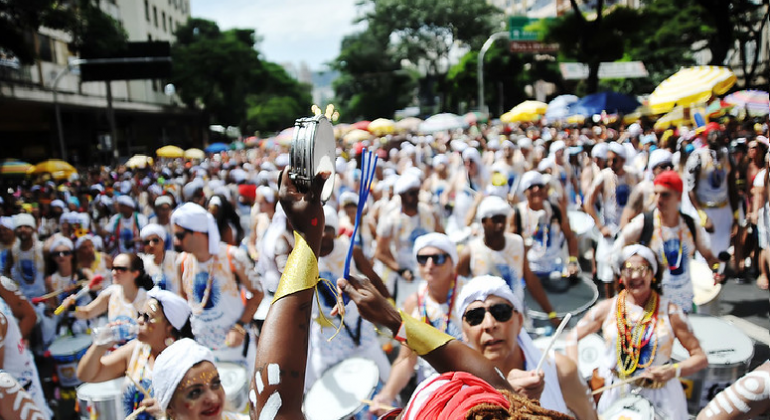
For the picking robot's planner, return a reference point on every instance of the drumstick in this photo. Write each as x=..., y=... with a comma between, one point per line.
x=136, y=413
x=553, y=340
x=384, y=407
x=92, y=284
x=615, y=385
x=138, y=386
x=55, y=293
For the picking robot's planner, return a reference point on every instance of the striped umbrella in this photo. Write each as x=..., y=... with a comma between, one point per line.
x=14, y=167
x=756, y=102
x=689, y=86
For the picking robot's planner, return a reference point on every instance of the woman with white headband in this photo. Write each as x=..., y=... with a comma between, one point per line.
x=639, y=327
x=164, y=319
x=160, y=262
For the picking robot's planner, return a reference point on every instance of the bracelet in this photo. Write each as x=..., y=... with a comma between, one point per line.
x=678, y=370
x=715, y=267
x=573, y=260
x=239, y=329
x=552, y=315
x=736, y=214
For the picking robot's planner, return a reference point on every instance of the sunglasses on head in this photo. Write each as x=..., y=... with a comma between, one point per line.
x=438, y=259
x=502, y=312
x=120, y=269
x=62, y=253
x=152, y=241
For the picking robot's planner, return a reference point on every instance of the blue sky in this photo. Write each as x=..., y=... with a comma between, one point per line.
x=291, y=30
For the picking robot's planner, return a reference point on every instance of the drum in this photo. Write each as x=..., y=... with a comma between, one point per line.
x=235, y=381
x=101, y=400
x=583, y=226
x=631, y=407
x=706, y=292
x=576, y=299
x=590, y=350
x=729, y=353
x=66, y=352
x=313, y=150
x=338, y=393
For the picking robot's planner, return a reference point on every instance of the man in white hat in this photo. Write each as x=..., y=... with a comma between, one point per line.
x=25, y=263
x=124, y=228
x=614, y=185
x=212, y=274
x=163, y=205
x=50, y=222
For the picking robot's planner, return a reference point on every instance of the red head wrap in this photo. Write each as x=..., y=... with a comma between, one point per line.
x=450, y=396
x=670, y=179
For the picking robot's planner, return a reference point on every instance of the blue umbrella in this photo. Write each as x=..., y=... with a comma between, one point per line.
x=611, y=102
x=216, y=148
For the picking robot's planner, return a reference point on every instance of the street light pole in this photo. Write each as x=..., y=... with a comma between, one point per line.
x=480, y=70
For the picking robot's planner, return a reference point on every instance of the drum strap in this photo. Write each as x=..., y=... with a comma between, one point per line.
x=649, y=225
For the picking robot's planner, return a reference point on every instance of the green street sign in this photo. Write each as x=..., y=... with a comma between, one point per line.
x=516, y=32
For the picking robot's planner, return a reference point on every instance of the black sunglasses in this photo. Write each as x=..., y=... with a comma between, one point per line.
x=180, y=235
x=665, y=166
x=146, y=318
x=120, y=269
x=535, y=185
x=62, y=253
x=438, y=259
x=153, y=241
x=502, y=312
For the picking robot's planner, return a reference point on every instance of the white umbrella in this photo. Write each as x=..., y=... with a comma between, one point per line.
x=558, y=108
x=443, y=122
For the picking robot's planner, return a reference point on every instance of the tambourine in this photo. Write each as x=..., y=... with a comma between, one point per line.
x=313, y=151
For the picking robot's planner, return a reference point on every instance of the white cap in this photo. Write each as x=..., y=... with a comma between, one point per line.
x=493, y=206
x=531, y=178
x=405, y=183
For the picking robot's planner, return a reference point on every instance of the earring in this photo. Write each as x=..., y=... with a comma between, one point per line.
x=169, y=341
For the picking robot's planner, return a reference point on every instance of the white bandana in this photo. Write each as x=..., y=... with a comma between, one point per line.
x=176, y=309
x=153, y=229
x=643, y=252
x=436, y=240
x=172, y=365
x=61, y=241
x=493, y=206
x=195, y=218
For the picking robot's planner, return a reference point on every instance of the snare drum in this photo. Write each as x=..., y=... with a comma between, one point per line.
x=338, y=393
x=729, y=353
x=590, y=350
x=576, y=299
x=235, y=381
x=101, y=400
x=313, y=151
x=706, y=292
x=631, y=407
x=66, y=352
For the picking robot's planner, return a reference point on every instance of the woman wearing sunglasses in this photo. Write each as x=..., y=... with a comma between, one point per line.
x=164, y=319
x=65, y=276
x=639, y=328
x=492, y=324
x=158, y=261
x=123, y=300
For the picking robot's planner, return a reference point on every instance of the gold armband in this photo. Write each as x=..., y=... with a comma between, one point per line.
x=703, y=217
x=422, y=337
x=301, y=272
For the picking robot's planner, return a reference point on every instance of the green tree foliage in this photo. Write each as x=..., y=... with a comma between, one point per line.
x=372, y=83
x=221, y=72
x=96, y=33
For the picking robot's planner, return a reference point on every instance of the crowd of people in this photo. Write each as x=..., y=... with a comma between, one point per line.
x=466, y=238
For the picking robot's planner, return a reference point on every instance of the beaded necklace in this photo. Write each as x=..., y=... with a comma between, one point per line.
x=663, y=249
x=422, y=302
x=632, y=337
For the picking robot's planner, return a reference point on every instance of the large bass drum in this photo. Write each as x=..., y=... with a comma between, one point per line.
x=313, y=151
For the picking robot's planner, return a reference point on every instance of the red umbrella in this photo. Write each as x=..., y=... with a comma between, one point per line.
x=361, y=125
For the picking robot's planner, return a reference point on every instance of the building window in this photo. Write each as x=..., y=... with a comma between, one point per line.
x=170, y=24
x=155, y=15
x=163, y=18
x=46, y=50
x=147, y=10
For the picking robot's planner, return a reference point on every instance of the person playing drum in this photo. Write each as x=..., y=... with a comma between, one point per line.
x=639, y=327
x=673, y=236
x=278, y=383
x=493, y=324
x=164, y=319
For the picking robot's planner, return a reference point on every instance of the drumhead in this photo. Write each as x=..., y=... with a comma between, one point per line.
x=338, y=393
x=100, y=391
x=579, y=222
x=233, y=376
x=576, y=300
x=590, y=350
x=703, y=283
x=69, y=345
x=630, y=407
x=723, y=343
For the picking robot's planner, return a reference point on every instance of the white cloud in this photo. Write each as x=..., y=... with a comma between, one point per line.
x=291, y=30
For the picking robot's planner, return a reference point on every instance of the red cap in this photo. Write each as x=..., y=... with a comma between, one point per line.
x=670, y=179
x=248, y=190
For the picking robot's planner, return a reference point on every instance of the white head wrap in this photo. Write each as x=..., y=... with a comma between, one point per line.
x=176, y=309
x=195, y=218
x=493, y=206
x=493, y=145
x=440, y=159
x=643, y=252
x=172, y=365
x=617, y=148
x=436, y=240
x=332, y=221
x=267, y=193
x=7, y=222
x=507, y=144
x=61, y=241
x=531, y=178
x=23, y=219
x=191, y=188
x=341, y=164
x=599, y=151
x=405, y=183
x=556, y=146
x=545, y=164
x=126, y=201
x=58, y=203
x=472, y=154
x=659, y=156
x=215, y=201
x=635, y=130
x=84, y=219
x=415, y=172
x=238, y=175
x=81, y=240
x=282, y=160
x=106, y=200
x=480, y=288
x=348, y=197
x=525, y=143
x=163, y=199
x=153, y=229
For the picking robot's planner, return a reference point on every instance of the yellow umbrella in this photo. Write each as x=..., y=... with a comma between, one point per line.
x=690, y=86
x=58, y=169
x=382, y=126
x=357, y=135
x=139, y=161
x=675, y=118
x=525, y=111
x=194, y=154
x=170, y=152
